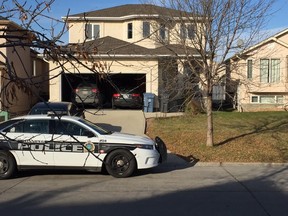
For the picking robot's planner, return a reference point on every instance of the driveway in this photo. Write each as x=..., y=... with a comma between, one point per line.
x=125, y=121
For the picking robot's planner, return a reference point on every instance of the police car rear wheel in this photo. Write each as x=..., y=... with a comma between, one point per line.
x=7, y=165
x=120, y=163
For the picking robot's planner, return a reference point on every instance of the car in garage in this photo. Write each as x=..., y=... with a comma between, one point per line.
x=68, y=142
x=128, y=98
x=62, y=108
x=87, y=93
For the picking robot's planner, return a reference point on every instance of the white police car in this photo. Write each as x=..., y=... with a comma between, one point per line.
x=44, y=141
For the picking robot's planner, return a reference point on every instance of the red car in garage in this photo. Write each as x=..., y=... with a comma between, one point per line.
x=127, y=98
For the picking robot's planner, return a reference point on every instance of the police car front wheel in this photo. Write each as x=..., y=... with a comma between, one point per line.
x=120, y=163
x=7, y=165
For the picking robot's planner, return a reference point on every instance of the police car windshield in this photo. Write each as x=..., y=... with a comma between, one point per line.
x=98, y=129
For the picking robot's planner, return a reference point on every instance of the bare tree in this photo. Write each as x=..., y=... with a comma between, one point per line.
x=216, y=28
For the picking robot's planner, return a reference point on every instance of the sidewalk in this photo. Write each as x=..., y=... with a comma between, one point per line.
x=161, y=115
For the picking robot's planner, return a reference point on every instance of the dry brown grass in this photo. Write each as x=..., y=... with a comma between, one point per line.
x=238, y=137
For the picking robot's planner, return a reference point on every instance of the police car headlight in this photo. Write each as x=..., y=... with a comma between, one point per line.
x=144, y=146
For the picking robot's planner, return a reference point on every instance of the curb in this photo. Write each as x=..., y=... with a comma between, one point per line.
x=240, y=164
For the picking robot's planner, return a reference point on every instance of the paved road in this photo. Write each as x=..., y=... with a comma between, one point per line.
x=174, y=188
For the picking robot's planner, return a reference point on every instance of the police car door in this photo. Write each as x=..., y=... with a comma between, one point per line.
x=30, y=142
x=74, y=147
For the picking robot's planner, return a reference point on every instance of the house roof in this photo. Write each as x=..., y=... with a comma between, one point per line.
x=115, y=47
x=129, y=10
x=273, y=38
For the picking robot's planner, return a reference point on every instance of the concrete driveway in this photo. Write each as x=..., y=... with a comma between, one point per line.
x=125, y=121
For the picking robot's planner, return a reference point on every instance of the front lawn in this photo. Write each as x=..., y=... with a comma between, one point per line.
x=238, y=137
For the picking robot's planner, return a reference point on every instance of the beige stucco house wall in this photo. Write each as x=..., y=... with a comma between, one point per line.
x=261, y=74
x=20, y=89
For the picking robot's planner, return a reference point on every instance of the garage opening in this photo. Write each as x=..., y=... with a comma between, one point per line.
x=108, y=86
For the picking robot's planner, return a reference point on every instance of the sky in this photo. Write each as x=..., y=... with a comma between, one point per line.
x=277, y=21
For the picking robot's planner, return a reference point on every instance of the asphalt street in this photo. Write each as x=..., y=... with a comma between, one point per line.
x=174, y=188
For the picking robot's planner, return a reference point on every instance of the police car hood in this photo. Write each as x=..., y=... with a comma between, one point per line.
x=117, y=137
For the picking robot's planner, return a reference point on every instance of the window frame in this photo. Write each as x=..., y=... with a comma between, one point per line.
x=91, y=32
x=129, y=30
x=146, y=29
x=268, y=73
x=249, y=69
x=187, y=31
x=163, y=32
x=278, y=99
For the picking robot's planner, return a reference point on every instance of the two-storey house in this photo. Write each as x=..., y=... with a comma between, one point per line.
x=136, y=46
x=259, y=75
x=24, y=76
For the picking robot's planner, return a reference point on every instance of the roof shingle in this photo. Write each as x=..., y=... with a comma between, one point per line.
x=131, y=9
x=112, y=46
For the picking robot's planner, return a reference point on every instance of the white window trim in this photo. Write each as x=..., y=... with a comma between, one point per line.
x=259, y=99
x=93, y=36
x=270, y=72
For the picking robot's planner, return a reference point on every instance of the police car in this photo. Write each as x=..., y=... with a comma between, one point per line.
x=65, y=142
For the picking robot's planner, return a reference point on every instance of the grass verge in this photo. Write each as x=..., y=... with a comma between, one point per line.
x=238, y=137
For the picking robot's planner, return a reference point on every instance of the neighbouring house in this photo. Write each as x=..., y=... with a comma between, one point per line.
x=259, y=75
x=24, y=76
x=132, y=45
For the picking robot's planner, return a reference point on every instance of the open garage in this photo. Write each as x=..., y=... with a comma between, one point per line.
x=107, y=85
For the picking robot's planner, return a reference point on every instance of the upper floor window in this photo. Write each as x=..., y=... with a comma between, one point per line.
x=146, y=29
x=249, y=69
x=163, y=32
x=269, y=70
x=187, y=31
x=92, y=31
x=129, y=30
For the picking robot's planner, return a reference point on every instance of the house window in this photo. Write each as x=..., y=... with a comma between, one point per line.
x=146, y=29
x=269, y=70
x=279, y=99
x=92, y=31
x=249, y=69
x=254, y=99
x=191, y=31
x=129, y=30
x=163, y=32
x=187, y=31
x=183, y=32
x=275, y=70
x=268, y=99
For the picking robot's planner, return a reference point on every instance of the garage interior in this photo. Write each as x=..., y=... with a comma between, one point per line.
x=107, y=86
